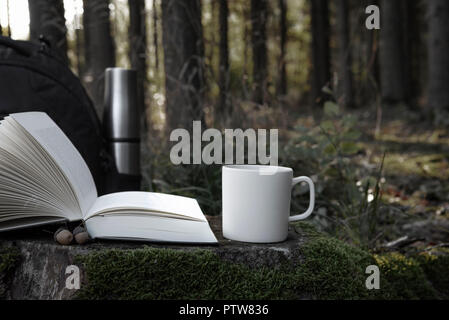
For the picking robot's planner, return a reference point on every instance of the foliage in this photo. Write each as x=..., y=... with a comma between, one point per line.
x=202, y=182
x=348, y=198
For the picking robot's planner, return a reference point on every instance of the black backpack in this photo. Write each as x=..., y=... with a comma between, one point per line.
x=34, y=78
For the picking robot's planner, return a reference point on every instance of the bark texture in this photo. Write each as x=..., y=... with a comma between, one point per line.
x=47, y=20
x=345, y=87
x=99, y=49
x=137, y=53
x=224, y=104
x=282, y=84
x=320, y=49
x=392, y=52
x=438, y=50
x=259, y=13
x=184, y=62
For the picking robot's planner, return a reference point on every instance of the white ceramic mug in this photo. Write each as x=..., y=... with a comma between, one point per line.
x=256, y=202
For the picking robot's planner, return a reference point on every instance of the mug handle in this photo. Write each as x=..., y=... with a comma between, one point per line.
x=312, y=198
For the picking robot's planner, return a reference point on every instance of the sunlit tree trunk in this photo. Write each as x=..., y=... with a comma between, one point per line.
x=282, y=85
x=47, y=19
x=320, y=48
x=224, y=105
x=259, y=14
x=99, y=49
x=184, y=62
x=79, y=52
x=345, y=90
x=137, y=41
x=8, y=19
x=438, y=94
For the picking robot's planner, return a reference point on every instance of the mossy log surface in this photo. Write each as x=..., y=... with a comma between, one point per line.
x=308, y=265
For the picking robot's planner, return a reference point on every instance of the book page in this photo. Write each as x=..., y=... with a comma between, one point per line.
x=149, y=228
x=30, y=180
x=148, y=216
x=42, y=128
x=147, y=202
x=27, y=222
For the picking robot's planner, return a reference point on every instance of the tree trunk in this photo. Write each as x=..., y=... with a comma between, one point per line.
x=79, y=52
x=155, y=36
x=8, y=19
x=282, y=85
x=320, y=49
x=184, y=62
x=392, y=52
x=47, y=19
x=438, y=95
x=246, y=13
x=99, y=49
x=415, y=47
x=373, y=48
x=345, y=89
x=259, y=14
x=137, y=54
x=366, y=56
x=224, y=105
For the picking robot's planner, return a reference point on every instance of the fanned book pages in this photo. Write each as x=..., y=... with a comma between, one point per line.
x=44, y=179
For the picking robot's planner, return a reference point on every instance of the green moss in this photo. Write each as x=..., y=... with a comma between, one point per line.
x=172, y=274
x=306, y=229
x=324, y=268
x=436, y=268
x=403, y=278
x=332, y=269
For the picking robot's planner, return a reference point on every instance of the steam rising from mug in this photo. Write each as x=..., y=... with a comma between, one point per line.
x=121, y=119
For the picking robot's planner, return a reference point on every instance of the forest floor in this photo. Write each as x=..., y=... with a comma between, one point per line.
x=415, y=177
x=416, y=172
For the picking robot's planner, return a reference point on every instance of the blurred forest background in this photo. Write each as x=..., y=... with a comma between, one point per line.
x=364, y=112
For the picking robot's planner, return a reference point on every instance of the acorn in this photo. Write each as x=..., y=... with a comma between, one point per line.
x=63, y=236
x=81, y=235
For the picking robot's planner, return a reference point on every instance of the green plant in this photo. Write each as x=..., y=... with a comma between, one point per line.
x=348, y=196
x=199, y=181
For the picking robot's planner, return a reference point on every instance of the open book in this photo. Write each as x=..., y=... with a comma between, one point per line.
x=44, y=179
